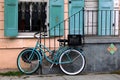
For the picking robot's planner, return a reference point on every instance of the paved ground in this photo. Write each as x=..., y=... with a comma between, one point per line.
x=65, y=77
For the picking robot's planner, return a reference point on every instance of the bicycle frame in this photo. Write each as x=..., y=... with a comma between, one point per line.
x=44, y=49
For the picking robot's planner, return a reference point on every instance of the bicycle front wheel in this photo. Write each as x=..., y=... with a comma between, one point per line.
x=72, y=62
x=28, y=61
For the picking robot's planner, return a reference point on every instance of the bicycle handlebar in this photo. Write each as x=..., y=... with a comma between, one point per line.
x=40, y=34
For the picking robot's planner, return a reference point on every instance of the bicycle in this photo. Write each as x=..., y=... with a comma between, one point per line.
x=70, y=60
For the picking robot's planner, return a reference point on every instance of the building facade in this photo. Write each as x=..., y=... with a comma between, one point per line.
x=16, y=31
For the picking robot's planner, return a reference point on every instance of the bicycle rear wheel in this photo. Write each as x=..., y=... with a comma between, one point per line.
x=28, y=61
x=72, y=62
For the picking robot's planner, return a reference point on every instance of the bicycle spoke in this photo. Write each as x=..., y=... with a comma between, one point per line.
x=28, y=61
x=75, y=58
x=72, y=62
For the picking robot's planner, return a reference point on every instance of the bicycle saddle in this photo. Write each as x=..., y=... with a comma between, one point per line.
x=62, y=40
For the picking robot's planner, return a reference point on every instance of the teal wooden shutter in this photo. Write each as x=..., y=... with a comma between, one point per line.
x=76, y=20
x=105, y=17
x=56, y=16
x=11, y=18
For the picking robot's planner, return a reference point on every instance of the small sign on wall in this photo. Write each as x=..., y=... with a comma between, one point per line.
x=112, y=49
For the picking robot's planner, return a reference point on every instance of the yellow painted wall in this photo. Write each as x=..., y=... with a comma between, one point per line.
x=10, y=47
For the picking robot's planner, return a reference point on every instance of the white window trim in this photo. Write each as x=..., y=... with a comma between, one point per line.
x=29, y=35
x=25, y=35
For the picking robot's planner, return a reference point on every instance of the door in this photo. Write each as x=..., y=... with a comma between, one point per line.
x=56, y=17
x=105, y=17
x=76, y=15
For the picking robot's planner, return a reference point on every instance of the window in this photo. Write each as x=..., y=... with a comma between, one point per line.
x=26, y=16
x=32, y=16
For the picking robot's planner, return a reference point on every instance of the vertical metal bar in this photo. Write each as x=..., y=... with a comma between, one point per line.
x=40, y=38
x=79, y=20
x=59, y=32
x=97, y=11
x=119, y=22
x=64, y=31
x=101, y=20
x=54, y=36
x=83, y=37
x=92, y=22
x=49, y=38
x=115, y=22
x=83, y=23
x=69, y=25
x=30, y=21
x=74, y=24
x=44, y=41
x=106, y=22
x=110, y=22
x=87, y=21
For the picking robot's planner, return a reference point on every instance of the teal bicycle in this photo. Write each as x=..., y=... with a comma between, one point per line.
x=69, y=58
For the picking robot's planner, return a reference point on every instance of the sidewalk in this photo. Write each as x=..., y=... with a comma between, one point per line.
x=65, y=77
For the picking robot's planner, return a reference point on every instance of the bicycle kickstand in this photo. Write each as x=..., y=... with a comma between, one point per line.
x=51, y=66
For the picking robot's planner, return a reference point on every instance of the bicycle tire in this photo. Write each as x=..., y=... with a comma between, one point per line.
x=28, y=66
x=72, y=62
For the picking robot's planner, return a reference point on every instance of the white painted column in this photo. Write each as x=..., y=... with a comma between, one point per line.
x=116, y=17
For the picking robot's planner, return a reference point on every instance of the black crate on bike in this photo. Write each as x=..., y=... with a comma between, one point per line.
x=74, y=40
